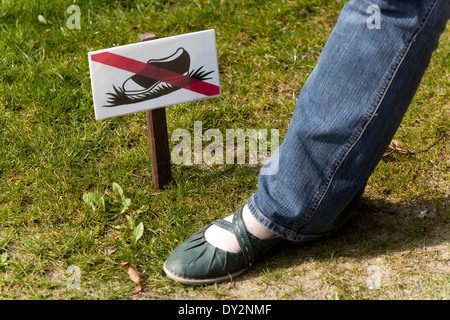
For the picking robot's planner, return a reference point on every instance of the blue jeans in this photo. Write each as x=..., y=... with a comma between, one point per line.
x=347, y=113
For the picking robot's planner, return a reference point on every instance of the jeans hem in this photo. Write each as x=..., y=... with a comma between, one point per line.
x=277, y=229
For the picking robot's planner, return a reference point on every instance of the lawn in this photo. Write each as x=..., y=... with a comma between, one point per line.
x=54, y=156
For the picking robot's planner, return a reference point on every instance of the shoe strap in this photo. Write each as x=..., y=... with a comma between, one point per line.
x=249, y=244
x=245, y=240
x=224, y=224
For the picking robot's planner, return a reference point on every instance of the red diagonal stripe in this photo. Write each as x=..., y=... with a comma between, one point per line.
x=156, y=73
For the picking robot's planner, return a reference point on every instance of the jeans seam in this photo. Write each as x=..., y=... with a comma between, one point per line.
x=367, y=119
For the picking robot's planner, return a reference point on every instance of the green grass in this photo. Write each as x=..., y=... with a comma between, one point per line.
x=53, y=152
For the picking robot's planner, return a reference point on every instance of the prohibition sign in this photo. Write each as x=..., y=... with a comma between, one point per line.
x=156, y=73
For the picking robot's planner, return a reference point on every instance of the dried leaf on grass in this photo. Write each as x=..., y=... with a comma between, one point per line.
x=394, y=146
x=134, y=275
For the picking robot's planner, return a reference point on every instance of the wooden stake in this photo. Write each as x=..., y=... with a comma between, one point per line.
x=158, y=138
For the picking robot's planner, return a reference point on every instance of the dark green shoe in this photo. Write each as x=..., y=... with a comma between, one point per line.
x=195, y=261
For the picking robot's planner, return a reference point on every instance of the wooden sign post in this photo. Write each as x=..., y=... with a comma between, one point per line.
x=158, y=138
x=151, y=75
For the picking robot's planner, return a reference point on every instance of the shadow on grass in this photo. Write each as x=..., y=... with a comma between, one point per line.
x=379, y=227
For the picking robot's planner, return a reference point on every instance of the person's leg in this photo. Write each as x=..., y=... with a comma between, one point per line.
x=347, y=113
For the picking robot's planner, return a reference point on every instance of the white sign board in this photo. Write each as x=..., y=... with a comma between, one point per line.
x=154, y=74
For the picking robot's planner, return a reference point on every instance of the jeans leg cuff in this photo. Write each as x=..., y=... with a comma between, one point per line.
x=269, y=224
